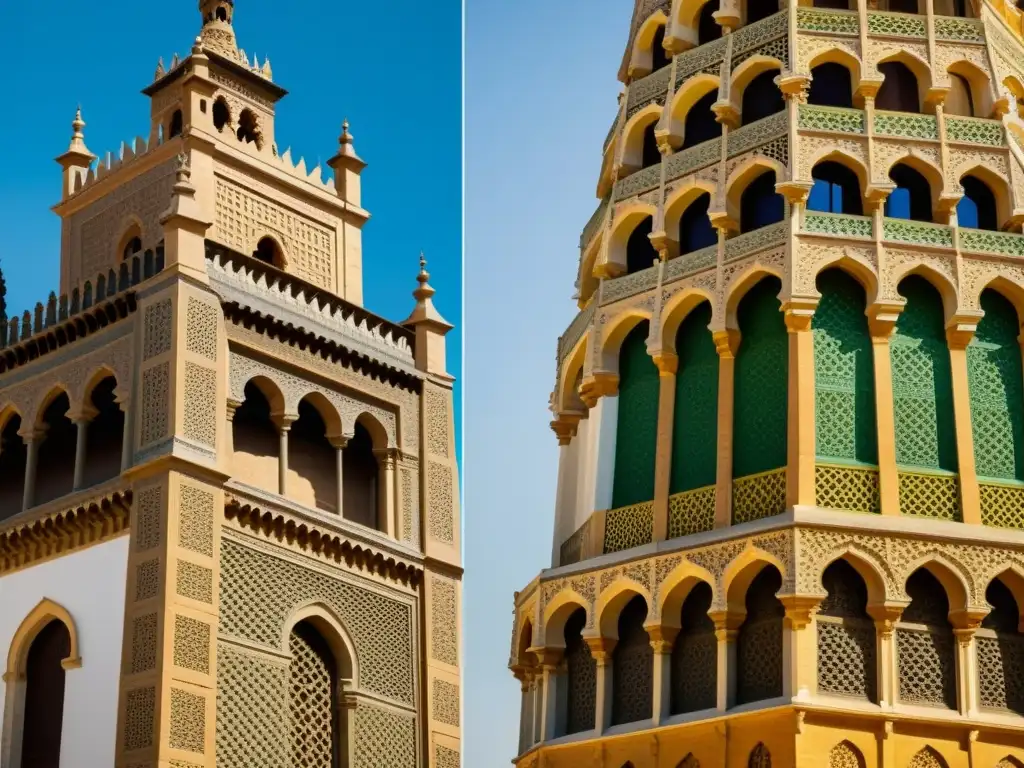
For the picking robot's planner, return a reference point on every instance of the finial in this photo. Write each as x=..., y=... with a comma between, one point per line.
x=160, y=71
x=347, y=148
x=425, y=291
x=197, y=46
x=346, y=137
x=175, y=61
x=77, y=137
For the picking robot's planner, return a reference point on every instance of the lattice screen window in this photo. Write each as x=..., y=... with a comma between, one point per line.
x=845, y=755
x=632, y=666
x=695, y=417
x=689, y=762
x=925, y=647
x=636, y=432
x=927, y=757
x=760, y=757
x=1000, y=648
x=844, y=375
x=759, y=423
x=694, y=664
x=580, y=677
x=922, y=380
x=312, y=702
x=996, y=383
x=846, y=636
x=759, y=644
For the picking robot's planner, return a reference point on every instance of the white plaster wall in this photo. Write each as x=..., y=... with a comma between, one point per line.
x=91, y=585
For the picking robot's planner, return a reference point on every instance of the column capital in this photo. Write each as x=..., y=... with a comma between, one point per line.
x=796, y=192
x=727, y=342
x=82, y=415
x=799, y=313
x=960, y=329
x=386, y=457
x=338, y=441
x=232, y=406
x=599, y=384
x=601, y=648
x=882, y=317
x=723, y=222
x=33, y=434
x=968, y=619
x=727, y=622
x=662, y=638
x=548, y=659
x=886, y=615
x=800, y=609
x=284, y=421
x=565, y=426
x=726, y=113
x=667, y=362
x=794, y=86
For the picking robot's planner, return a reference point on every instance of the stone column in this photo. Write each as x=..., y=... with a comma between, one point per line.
x=966, y=623
x=339, y=443
x=128, y=431
x=882, y=320
x=662, y=639
x=886, y=615
x=667, y=364
x=229, y=424
x=386, y=491
x=33, y=438
x=601, y=649
x=727, y=629
x=81, y=423
x=283, y=422
x=959, y=334
x=801, y=440
x=800, y=647
x=727, y=343
x=549, y=659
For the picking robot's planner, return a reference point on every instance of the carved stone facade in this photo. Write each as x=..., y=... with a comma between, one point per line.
x=278, y=462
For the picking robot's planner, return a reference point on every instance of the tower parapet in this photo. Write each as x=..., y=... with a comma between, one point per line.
x=782, y=426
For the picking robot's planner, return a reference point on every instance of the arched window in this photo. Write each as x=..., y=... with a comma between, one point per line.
x=689, y=761
x=844, y=379
x=248, y=128
x=959, y=100
x=44, y=697
x=580, y=677
x=759, y=643
x=640, y=251
x=912, y=198
x=312, y=460
x=899, y=91
x=925, y=647
x=651, y=153
x=996, y=384
x=104, y=435
x=977, y=208
x=760, y=757
x=760, y=9
x=695, y=230
x=360, y=473
x=831, y=82
x=13, y=454
x=762, y=97
x=636, y=432
x=708, y=29
x=836, y=189
x=55, y=471
x=132, y=247
x=846, y=636
x=700, y=124
x=927, y=757
x=760, y=204
x=1000, y=647
x=632, y=666
x=694, y=661
x=695, y=431
x=845, y=755
x=659, y=56
x=313, y=699
x=922, y=382
x=256, y=442
x=221, y=114
x=268, y=251
x=176, y=124
x=760, y=396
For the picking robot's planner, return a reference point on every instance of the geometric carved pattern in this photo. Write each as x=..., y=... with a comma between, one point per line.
x=144, y=643
x=759, y=643
x=195, y=527
x=201, y=333
x=694, y=661
x=440, y=505
x=929, y=495
x=157, y=333
x=1002, y=505
x=846, y=658
x=258, y=591
x=1001, y=671
x=437, y=422
x=149, y=506
x=252, y=710
x=444, y=640
x=147, y=580
x=758, y=496
x=191, y=644
x=760, y=757
x=629, y=527
x=926, y=667
x=845, y=755
x=384, y=739
x=445, y=702
x=311, y=699
x=446, y=758
x=632, y=667
x=691, y=512
x=155, y=394
x=140, y=709
x=852, y=488
x=200, y=404
x=581, y=675
x=194, y=582
x=188, y=721
x=927, y=758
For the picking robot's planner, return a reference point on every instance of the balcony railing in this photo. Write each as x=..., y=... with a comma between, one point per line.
x=906, y=125
x=920, y=232
x=888, y=24
x=837, y=119
x=839, y=224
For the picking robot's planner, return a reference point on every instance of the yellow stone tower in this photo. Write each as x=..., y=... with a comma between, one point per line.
x=229, y=513
x=790, y=411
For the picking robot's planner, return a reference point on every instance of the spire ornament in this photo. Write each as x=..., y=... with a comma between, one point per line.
x=425, y=312
x=77, y=137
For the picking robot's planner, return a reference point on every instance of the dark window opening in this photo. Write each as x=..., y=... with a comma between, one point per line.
x=104, y=435
x=640, y=252
x=651, y=153
x=903, y=6
x=695, y=230
x=268, y=252
x=222, y=14
x=760, y=204
x=312, y=457
x=700, y=124
x=176, y=123
x=761, y=9
x=44, y=697
x=56, y=468
x=13, y=454
x=221, y=114
x=707, y=28
x=762, y=97
x=977, y=208
x=912, y=198
x=831, y=86
x=836, y=190
x=899, y=92
x=248, y=128
x=659, y=56
x=360, y=472
x=134, y=246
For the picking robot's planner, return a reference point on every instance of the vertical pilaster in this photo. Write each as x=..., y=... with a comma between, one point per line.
x=966, y=672
x=386, y=493
x=32, y=438
x=549, y=659
x=959, y=336
x=81, y=440
x=601, y=649
x=727, y=629
x=727, y=343
x=339, y=443
x=124, y=401
x=800, y=647
x=887, y=681
x=662, y=639
x=881, y=326
x=667, y=364
x=800, y=419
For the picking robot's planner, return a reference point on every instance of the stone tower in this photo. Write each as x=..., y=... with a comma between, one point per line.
x=229, y=513
x=790, y=411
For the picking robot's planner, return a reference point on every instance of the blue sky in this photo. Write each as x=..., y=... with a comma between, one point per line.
x=398, y=84
x=540, y=97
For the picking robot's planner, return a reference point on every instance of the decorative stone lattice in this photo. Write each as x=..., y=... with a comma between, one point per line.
x=1002, y=505
x=845, y=755
x=629, y=527
x=924, y=495
x=380, y=627
x=200, y=406
x=444, y=639
x=437, y=421
x=446, y=758
x=632, y=667
x=252, y=710
x=831, y=22
x=581, y=671
x=896, y=24
x=384, y=739
x=1001, y=671
x=440, y=505
x=144, y=643
x=194, y=582
x=191, y=644
x=759, y=643
x=760, y=757
x=155, y=400
x=853, y=488
x=846, y=658
x=201, y=330
x=311, y=685
x=188, y=721
x=140, y=708
x=157, y=329
x=839, y=119
x=445, y=702
x=926, y=667
x=691, y=512
x=927, y=757
x=694, y=661
x=147, y=580
x=149, y=503
x=759, y=496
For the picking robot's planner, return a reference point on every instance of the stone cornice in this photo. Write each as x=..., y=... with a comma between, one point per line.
x=311, y=532
x=65, y=525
